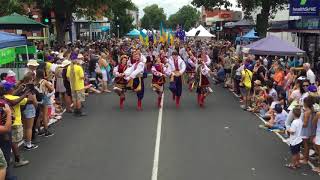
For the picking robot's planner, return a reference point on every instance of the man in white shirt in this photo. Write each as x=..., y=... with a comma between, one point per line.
x=177, y=67
x=135, y=74
x=310, y=74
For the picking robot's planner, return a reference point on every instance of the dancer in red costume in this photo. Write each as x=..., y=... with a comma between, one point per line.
x=159, y=71
x=134, y=76
x=190, y=70
x=203, y=84
x=120, y=83
x=177, y=68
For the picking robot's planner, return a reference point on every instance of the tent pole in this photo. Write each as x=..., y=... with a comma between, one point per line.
x=27, y=52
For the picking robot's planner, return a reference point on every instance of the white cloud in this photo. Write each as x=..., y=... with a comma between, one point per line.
x=169, y=6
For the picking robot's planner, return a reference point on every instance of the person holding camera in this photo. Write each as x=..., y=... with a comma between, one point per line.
x=17, y=128
x=29, y=110
x=47, y=90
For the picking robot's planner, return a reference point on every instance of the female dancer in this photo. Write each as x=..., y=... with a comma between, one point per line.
x=202, y=81
x=158, y=79
x=120, y=82
x=190, y=70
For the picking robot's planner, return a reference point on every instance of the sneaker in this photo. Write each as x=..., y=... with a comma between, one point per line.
x=21, y=163
x=262, y=126
x=32, y=147
x=41, y=133
x=48, y=134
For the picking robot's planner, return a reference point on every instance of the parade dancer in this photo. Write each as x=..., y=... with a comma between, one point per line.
x=134, y=76
x=177, y=68
x=190, y=70
x=120, y=81
x=159, y=71
x=202, y=81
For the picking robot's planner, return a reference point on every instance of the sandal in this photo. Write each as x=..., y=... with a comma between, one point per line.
x=291, y=166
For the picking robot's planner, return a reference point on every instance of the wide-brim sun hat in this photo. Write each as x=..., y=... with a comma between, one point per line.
x=32, y=62
x=65, y=63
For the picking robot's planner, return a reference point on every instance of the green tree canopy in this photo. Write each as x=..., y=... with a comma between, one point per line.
x=187, y=17
x=118, y=15
x=267, y=9
x=153, y=16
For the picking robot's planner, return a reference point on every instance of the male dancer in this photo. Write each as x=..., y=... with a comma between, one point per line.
x=135, y=74
x=120, y=82
x=159, y=71
x=177, y=68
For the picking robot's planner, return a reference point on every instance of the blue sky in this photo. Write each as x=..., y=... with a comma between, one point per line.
x=169, y=6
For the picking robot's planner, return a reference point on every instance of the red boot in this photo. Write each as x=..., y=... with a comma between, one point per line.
x=139, y=105
x=177, y=101
x=159, y=101
x=190, y=87
x=199, y=99
x=121, y=102
x=203, y=97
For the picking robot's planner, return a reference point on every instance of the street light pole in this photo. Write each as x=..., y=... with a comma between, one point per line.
x=118, y=25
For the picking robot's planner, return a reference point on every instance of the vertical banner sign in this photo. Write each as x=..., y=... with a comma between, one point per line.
x=304, y=7
x=7, y=55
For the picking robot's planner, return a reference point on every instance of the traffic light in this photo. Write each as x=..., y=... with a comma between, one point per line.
x=46, y=17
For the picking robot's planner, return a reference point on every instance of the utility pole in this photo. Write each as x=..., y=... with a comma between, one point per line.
x=118, y=26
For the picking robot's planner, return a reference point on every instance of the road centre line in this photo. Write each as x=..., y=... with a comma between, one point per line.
x=157, y=145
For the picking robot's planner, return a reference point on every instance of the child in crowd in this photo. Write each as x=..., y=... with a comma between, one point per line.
x=295, y=139
x=316, y=140
x=306, y=131
x=277, y=121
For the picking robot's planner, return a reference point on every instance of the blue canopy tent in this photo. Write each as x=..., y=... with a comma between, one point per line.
x=134, y=32
x=11, y=40
x=250, y=35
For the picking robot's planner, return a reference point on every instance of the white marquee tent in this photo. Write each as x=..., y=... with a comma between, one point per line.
x=203, y=32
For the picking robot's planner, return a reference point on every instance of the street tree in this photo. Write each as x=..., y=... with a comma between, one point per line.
x=118, y=15
x=10, y=6
x=187, y=17
x=267, y=9
x=153, y=16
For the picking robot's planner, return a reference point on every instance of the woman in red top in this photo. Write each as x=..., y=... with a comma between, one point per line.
x=158, y=79
x=120, y=82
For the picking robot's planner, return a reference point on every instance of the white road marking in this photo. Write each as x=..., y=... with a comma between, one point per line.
x=157, y=146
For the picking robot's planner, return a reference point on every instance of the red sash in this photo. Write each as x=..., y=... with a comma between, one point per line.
x=176, y=65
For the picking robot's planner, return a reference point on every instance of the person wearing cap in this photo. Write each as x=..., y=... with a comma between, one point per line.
x=75, y=74
x=59, y=84
x=17, y=128
x=134, y=76
x=120, y=81
x=159, y=72
x=176, y=68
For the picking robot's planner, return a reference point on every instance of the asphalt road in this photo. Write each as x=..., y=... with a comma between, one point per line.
x=220, y=141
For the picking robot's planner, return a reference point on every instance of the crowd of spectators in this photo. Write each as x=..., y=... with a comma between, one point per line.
x=284, y=91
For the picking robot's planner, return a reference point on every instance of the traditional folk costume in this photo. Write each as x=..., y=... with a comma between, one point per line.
x=177, y=68
x=134, y=76
x=202, y=82
x=159, y=72
x=120, y=82
x=190, y=70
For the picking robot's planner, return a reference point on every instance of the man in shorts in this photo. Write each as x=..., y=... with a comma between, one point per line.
x=17, y=128
x=75, y=74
